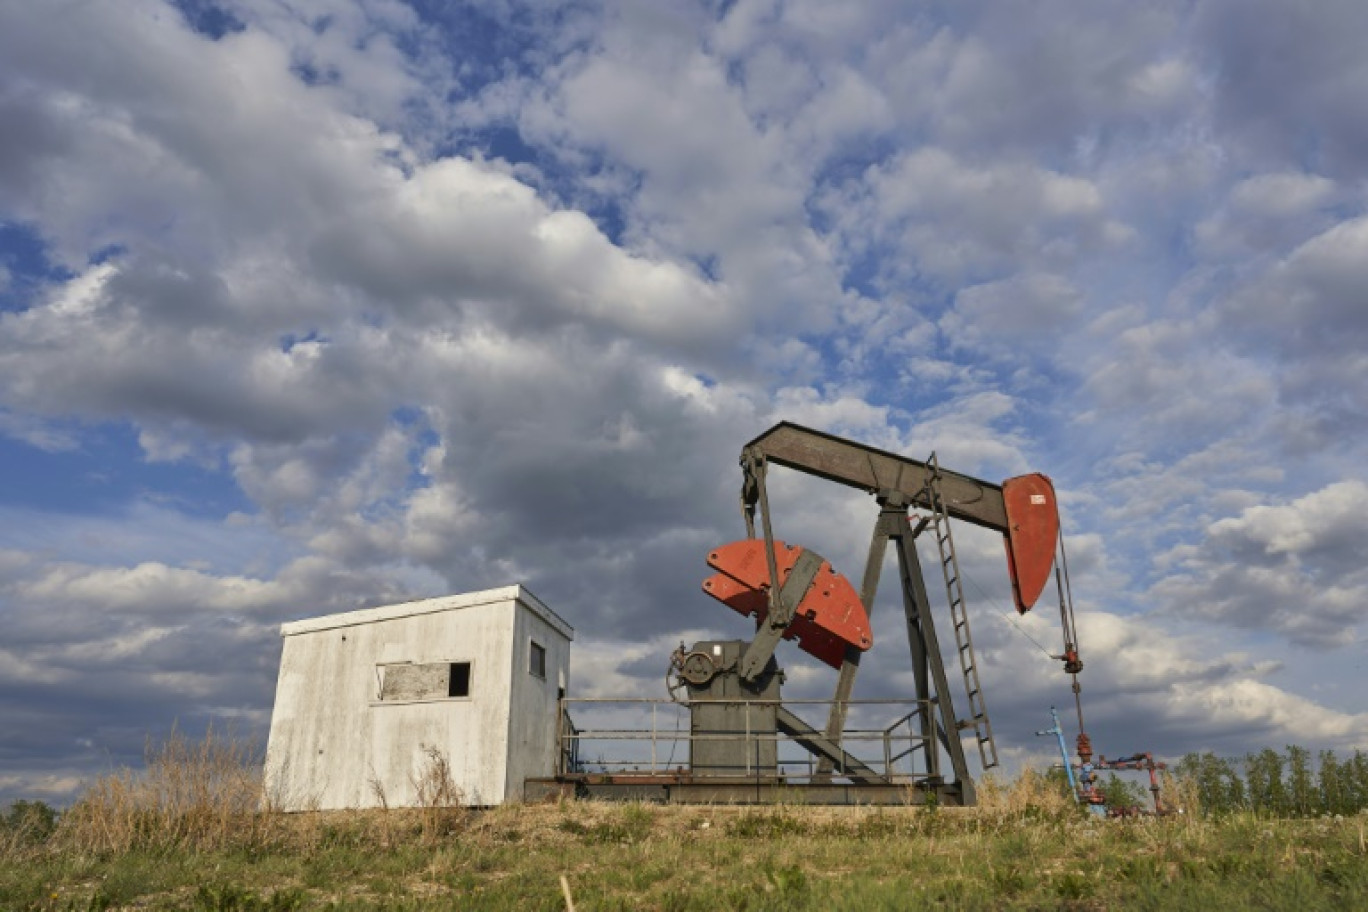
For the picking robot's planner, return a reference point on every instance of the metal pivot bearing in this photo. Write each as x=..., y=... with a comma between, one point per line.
x=697, y=668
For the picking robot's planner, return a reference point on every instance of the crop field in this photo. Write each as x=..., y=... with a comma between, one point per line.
x=188, y=834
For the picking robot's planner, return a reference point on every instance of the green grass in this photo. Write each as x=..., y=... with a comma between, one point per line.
x=712, y=858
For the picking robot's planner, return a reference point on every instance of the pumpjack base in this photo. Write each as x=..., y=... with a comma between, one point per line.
x=682, y=789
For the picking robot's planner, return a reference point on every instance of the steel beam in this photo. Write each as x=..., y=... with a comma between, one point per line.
x=856, y=465
x=674, y=790
x=845, y=681
x=926, y=657
x=781, y=612
x=817, y=743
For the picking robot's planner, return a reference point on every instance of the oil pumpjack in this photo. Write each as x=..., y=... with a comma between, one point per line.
x=737, y=715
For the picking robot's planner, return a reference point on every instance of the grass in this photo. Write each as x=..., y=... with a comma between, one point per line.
x=684, y=858
x=182, y=835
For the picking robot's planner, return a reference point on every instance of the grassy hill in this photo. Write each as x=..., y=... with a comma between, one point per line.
x=187, y=834
x=710, y=858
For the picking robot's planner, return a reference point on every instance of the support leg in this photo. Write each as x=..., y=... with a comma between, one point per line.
x=845, y=682
x=926, y=661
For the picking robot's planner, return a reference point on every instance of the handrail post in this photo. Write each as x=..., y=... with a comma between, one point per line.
x=560, y=738
x=748, y=743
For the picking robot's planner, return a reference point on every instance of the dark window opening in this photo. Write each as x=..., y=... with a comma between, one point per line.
x=458, y=684
x=537, y=660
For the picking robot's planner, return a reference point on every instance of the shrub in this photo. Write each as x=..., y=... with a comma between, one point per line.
x=25, y=825
x=35, y=820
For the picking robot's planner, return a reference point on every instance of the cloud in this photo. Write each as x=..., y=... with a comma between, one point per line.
x=1014, y=312
x=1314, y=299
x=706, y=183
x=1165, y=374
x=1293, y=568
x=1266, y=213
x=1146, y=689
x=452, y=298
x=963, y=223
x=1281, y=195
x=1285, y=74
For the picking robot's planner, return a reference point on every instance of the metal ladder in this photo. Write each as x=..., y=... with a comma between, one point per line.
x=964, y=642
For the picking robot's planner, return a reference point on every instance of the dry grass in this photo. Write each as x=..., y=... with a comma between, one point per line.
x=189, y=832
x=24, y=828
x=192, y=831
x=194, y=795
x=440, y=799
x=1180, y=793
x=1029, y=791
x=208, y=795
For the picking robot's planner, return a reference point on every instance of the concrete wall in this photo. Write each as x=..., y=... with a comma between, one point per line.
x=534, y=702
x=335, y=743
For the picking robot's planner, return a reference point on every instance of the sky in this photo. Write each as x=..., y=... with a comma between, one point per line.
x=310, y=305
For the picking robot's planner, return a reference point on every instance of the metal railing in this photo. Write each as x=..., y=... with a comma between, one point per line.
x=656, y=737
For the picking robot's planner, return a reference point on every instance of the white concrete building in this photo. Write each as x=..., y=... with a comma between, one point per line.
x=365, y=696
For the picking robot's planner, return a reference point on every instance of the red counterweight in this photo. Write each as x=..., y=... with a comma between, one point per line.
x=829, y=617
x=1031, y=534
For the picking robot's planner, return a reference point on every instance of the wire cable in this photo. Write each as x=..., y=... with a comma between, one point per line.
x=1005, y=615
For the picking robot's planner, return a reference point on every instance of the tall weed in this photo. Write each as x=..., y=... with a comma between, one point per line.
x=1030, y=793
x=439, y=799
x=192, y=795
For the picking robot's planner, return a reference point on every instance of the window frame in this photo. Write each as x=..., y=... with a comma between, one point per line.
x=382, y=668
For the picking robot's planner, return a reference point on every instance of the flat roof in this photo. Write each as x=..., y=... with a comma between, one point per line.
x=515, y=593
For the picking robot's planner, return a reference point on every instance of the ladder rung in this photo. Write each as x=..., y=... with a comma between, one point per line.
x=954, y=591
